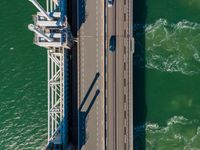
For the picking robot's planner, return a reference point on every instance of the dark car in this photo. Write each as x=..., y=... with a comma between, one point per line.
x=112, y=45
x=110, y=3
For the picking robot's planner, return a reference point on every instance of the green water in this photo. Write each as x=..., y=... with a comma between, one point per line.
x=23, y=83
x=168, y=37
x=172, y=77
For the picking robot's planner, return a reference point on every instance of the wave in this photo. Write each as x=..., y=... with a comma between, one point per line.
x=179, y=133
x=168, y=47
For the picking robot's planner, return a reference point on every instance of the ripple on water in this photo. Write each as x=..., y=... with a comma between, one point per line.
x=179, y=133
x=169, y=47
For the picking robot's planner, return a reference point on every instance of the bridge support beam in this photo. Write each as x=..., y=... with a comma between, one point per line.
x=55, y=95
x=39, y=7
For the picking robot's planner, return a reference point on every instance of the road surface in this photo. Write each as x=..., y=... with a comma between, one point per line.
x=119, y=78
x=91, y=75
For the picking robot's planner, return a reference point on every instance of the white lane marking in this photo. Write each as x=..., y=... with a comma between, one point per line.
x=97, y=70
x=82, y=64
x=101, y=23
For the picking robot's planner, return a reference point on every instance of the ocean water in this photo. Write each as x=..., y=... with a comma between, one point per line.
x=167, y=40
x=23, y=82
x=167, y=58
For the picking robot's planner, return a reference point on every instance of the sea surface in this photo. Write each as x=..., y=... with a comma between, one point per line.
x=23, y=80
x=167, y=66
x=167, y=61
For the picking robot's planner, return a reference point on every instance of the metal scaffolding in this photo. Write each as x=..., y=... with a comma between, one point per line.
x=55, y=95
x=52, y=32
x=51, y=5
x=55, y=58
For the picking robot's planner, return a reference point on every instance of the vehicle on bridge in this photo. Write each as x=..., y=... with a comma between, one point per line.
x=110, y=3
x=112, y=45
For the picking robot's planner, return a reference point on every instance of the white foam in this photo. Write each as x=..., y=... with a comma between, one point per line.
x=170, y=47
x=177, y=120
x=171, y=133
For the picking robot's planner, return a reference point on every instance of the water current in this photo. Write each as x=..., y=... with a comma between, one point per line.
x=167, y=57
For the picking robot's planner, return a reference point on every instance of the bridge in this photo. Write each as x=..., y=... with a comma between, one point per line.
x=90, y=101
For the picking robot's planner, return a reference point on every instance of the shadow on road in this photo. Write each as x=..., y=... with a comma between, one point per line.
x=89, y=90
x=73, y=79
x=76, y=16
x=82, y=14
x=82, y=137
x=140, y=109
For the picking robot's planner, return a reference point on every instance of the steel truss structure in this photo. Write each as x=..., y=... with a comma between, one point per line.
x=55, y=58
x=54, y=26
x=55, y=94
x=51, y=5
x=56, y=88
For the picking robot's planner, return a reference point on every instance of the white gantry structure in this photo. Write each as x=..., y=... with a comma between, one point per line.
x=52, y=32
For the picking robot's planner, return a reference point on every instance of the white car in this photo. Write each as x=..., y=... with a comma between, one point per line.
x=110, y=3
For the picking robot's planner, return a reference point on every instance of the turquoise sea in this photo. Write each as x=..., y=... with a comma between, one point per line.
x=167, y=70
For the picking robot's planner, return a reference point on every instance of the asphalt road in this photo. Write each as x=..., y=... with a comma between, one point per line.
x=111, y=79
x=91, y=75
x=119, y=63
x=114, y=131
